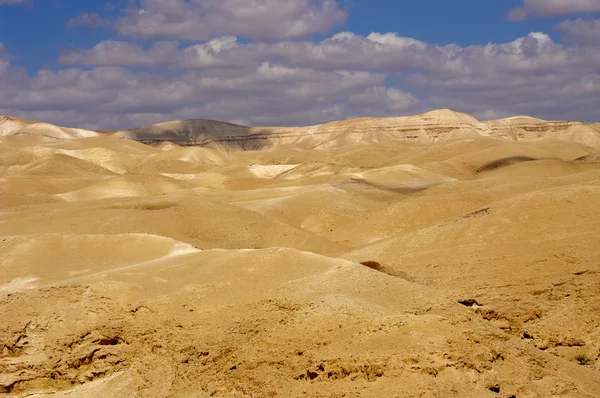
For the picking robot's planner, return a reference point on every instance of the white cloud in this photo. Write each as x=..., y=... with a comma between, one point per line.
x=116, y=53
x=393, y=40
x=381, y=101
x=552, y=8
x=200, y=20
x=112, y=97
x=304, y=82
x=581, y=31
x=376, y=52
x=90, y=20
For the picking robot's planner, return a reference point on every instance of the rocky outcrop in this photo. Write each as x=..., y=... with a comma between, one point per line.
x=526, y=128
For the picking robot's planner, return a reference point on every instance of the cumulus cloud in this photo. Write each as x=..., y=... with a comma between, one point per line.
x=116, y=97
x=536, y=53
x=303, y=82
x=375, y=52
x=119, y=53
x=381, y=101
x=89, y=20
x=200, y=20
x=552, y=8
x=581, y=31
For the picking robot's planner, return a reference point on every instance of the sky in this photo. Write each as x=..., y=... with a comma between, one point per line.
x=127, y=63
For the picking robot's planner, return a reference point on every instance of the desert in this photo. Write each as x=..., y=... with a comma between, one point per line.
x=431, y=255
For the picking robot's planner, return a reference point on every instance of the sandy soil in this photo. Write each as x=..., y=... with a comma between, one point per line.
x=465, y=267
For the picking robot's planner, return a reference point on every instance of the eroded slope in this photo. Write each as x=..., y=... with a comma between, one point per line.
x=464, y=268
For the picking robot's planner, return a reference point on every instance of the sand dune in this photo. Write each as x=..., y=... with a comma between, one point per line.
x=431, y=255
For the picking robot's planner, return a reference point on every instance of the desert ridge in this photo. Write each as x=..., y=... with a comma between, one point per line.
x=431, y=255
x=429, y=127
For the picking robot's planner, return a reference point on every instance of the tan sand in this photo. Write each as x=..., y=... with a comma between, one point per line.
x=427, y=256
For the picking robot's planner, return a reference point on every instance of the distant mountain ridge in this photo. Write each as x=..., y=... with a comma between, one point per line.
x=429, y=127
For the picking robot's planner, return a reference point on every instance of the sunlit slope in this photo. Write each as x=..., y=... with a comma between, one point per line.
x=430, y=127
x=454, y=263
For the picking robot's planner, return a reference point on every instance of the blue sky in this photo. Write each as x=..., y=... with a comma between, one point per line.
x=466, y=23
x=123, y=63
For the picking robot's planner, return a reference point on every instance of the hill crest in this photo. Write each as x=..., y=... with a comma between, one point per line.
x=429, y=127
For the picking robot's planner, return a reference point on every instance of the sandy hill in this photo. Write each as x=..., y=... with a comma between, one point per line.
x=431, y=255
x=185, y=132
x=10, y=125
x=429, y=127
x=527, y=128
x=434, y=126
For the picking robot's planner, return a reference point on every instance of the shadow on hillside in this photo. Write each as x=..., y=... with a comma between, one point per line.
x=403, y=190
x=504, y=162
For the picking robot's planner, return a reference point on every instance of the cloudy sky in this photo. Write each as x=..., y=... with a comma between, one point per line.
x=127, y=63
